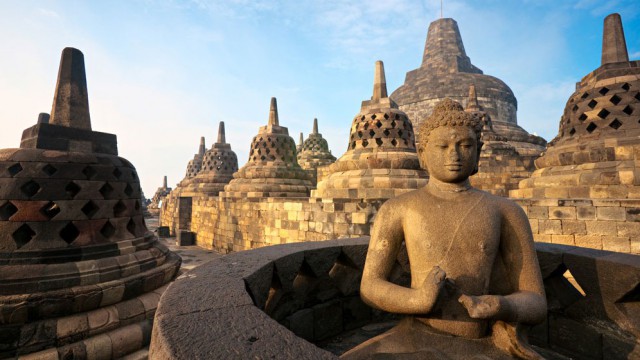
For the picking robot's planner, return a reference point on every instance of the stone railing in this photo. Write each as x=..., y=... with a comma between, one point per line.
x=264, y=303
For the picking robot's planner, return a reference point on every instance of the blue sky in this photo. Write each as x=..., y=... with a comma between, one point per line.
x=162, y=73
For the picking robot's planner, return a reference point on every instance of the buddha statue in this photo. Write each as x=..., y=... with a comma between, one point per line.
x=475, y=279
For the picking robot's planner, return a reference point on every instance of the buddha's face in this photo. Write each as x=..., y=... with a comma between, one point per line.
x=451, y=153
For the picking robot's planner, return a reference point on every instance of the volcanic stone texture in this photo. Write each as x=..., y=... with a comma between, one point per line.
x=80, y=274
x=278, y=301
x=315, y=153
x=586, y=190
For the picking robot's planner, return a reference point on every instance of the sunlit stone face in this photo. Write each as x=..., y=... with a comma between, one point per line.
x=451, y=153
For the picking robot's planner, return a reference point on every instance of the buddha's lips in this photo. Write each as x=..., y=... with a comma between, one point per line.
x=453, y=166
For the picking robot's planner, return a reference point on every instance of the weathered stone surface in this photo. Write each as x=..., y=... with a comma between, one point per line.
x=593, y=159
x=75, y=253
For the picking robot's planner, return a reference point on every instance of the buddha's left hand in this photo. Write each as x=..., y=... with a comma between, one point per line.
x=482, y=307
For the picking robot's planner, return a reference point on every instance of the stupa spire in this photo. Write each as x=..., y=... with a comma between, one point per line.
x=301, y=139
x=315, y=126
x=614, y=46
x=202, y=148
x=273, y=113
x=71, y=101
x=379, y=82
x=222, y=139
x=164, y=182
x=472, y=104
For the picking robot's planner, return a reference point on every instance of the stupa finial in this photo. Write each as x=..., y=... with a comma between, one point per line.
x=202, y=148
x=71, y=101
x=315, y=126
x=379, y=82
x=222, y=139
x=614, y=46
x=273, y=113
x=472, y=104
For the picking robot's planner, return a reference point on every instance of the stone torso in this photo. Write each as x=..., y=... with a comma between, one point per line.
x=454, y=229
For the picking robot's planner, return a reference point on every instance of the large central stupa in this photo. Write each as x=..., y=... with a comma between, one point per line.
x=447, y=72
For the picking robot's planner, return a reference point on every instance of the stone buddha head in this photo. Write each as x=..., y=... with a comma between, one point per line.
x=450, y=142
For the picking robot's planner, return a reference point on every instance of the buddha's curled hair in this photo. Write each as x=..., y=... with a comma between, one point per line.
x=450, y=113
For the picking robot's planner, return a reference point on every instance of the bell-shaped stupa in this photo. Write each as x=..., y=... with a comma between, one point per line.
x=217, y=167
x=272, y=169
x=315, y=152
x=194, y=165
x=80, y=274
x=592, y=164
x=381, y=160
x=447, y=72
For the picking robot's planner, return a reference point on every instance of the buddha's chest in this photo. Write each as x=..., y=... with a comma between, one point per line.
x=462, y=239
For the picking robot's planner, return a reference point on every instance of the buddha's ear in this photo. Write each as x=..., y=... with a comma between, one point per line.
x=475, y=170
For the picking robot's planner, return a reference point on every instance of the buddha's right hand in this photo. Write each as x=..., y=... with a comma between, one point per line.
x=432, y=285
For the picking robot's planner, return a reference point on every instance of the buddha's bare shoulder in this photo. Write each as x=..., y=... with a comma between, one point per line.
x=505, y=205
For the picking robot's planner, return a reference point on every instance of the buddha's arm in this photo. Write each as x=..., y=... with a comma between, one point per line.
x=527, y=304
x=386, y=239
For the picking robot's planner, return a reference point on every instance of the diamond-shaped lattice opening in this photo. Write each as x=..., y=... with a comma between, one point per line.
x=373, y=117
x=365, y=143
x=592, y=104
x=572, y=131
x=7, y=210
x=386, y=132
x=628, y=110
x=386, y=116
x=585, y=95
x=106, y=190
x=119, y=209
x=30, y=188
x=50, y=210
x=379, y=142
x=603, y=113
x=117, y=173
x=591, y=127
x=394, y=142
x=575, y=108
x=378, y=124
x=108, y=230
x=69, y=233
x=90, y=209
x=400, y=132
x=360, y=134
x=135, y=176
x=372, y=133
x=49, y=169
x=137, y=205
x=366, y=126
x=23, y=235
x=569, y=276
x=615, y=124
x=626, y=86
x=131, y=227
x=582, y=117
x=128, y=190
x=393, y=124
x=637, y=96
x=89, y=172
x=15, y=169
x=615, y=99
x=72, y=189
x=604, y=91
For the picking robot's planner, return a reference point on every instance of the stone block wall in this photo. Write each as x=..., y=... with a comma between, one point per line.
x=241, y=224
x=603, y=224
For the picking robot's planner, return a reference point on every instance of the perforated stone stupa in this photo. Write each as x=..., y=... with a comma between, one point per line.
x=159, y=196
x=586, y=187
x=272, y=169
x=195, y=164
x=80, y=274
x=447, y=72
x=381, y=160
x=315, y=152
